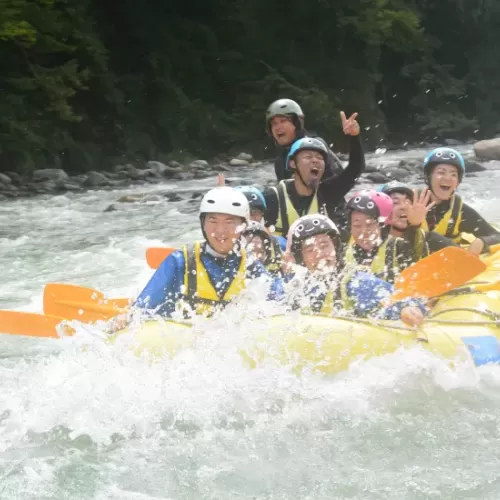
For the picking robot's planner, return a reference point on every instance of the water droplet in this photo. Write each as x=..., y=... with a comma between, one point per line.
x=367, y=128
x=380, y=151
x=380, y=102
x=427, y=91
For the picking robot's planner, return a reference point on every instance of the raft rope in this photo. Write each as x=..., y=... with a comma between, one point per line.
x=494, y=318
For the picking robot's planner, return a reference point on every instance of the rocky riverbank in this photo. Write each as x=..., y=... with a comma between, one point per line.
x=54, y=181
x=378, y=170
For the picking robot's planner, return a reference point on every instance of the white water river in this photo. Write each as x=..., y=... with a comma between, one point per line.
x=98, y=424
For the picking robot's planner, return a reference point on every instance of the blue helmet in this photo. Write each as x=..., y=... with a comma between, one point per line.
x=397, y=187
x=255, y=197
x=307, y=143
x=446, y=156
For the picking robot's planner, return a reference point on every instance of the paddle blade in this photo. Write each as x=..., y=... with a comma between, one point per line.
x=437, y=274
x=31, y=324
x=487, y=287
x=494, y=255
x=83, y=304
x=156, y=255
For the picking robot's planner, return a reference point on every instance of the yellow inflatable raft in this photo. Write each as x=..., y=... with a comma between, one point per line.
x=459, y=327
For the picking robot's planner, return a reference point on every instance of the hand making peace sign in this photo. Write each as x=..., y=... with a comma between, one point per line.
x=349, y=125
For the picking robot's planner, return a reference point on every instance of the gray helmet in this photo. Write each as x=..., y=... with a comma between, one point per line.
x=284, y=107
x=397, y=187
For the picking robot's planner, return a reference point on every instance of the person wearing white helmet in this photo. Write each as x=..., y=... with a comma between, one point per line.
x=313, y=244
x=205, y=276
x=309, y=191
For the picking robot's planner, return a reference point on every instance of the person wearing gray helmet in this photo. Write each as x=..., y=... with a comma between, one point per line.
x=285, y=124
x=311, y=190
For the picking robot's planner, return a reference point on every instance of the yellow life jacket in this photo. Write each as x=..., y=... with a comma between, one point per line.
x=275, y=260
x=287, y=214
x=199, y=292
x=421, y=248
x=449, y=225
x=385, y=263
x=333, y=301
x=274, y=254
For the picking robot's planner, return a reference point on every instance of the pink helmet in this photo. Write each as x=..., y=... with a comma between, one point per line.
x=372, y=203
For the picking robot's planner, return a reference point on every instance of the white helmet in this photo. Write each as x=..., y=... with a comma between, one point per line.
x=225, y=200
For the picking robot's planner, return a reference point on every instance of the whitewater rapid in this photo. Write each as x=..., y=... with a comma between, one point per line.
x=82, y=420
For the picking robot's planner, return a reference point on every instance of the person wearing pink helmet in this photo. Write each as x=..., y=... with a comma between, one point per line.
x=369, y=246
x=313, y=247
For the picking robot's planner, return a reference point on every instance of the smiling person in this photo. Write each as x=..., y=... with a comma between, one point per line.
x=205, y=276
x=309, y=192
x=314, y=242
x=258, y=207
x=370, y=246
x=409, y=211
x=285, y=124
x=264, y=247
x=444, y=170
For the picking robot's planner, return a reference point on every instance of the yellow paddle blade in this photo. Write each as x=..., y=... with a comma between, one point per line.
x=31, y=324
x=83, y=304
x=493, y=256
x=495, y=249
x=156, y=255
x=487, y=287
x=437, y=274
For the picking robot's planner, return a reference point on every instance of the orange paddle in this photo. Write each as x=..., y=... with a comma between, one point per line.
x=31, y=324
x=437, y=274
x=83, y=304
x=156, y=255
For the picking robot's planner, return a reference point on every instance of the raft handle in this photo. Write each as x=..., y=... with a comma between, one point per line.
x=494, y=318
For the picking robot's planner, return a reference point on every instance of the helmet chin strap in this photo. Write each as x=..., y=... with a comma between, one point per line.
x=325, y=271
x=210, y=250
x=429, y=185
x=297, y=172
x=397, y=230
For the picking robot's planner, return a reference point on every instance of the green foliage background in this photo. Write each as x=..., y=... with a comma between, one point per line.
x=88, y=83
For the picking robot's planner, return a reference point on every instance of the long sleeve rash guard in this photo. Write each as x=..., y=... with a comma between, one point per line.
x=331, y=191
x=163, y=290
x=365, y=291
x=471, y=223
